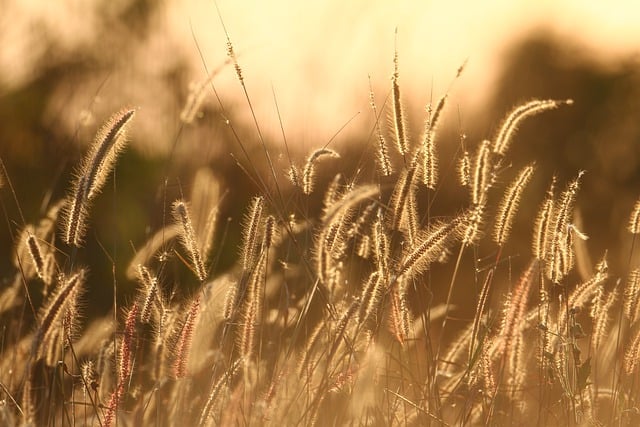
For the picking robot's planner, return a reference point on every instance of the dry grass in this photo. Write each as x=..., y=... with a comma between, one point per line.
x=329, y=317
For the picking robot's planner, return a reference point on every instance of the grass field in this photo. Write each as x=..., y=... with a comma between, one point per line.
x=378, y=285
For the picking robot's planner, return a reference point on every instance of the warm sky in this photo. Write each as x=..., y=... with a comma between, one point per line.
x=316, y=55
x=336, y=44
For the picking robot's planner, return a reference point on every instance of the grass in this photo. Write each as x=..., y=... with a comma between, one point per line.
x=342, y=306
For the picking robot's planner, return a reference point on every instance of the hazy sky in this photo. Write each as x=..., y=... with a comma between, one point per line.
x=316, y=55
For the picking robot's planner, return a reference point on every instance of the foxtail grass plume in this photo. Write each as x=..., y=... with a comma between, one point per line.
x=464, y=169
x=36, y=254
x=384, y=164
x=217, y=387
x=293, y=174
x=381, y=246
x=399, y=317
x=430, y=160
x=430, y=247
x=561, y=246
x=400, y=196
x=53, y=309
x=308, y=173
x=632, y=296
x=601, y=321
x=370, y=298
x=509, y=205
x=474, y=225
x=125, y=365
x=252, y=308
x=188, y=238
x=183, y=346
x=509, y=340
x=250, y=232
x=234, y=59
x=541, y=229
x=518, y=115
x=482, y=171
x=634, y=220
x=92, y=175
x=150, y=282
x=632, y=354
x=27, y=405
x=398, y=115
x=270, y=231
x=58, y=318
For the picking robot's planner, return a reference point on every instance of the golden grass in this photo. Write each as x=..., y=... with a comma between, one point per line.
x=336, y=318
x=92, y=175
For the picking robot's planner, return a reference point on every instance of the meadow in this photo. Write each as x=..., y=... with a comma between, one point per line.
x=352, y=294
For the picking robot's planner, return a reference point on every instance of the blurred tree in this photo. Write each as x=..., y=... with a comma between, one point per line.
x=599, y=133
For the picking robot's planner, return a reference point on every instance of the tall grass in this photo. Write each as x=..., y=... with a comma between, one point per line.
x=330, y=316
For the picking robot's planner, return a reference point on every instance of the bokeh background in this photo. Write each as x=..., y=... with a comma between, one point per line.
x=65, y=66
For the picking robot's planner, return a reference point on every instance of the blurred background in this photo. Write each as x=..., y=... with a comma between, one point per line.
x=66, y=66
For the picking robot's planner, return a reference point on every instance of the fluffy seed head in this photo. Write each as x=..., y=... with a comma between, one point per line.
x=269, y=231
x=632, y=354
x=632, y=296
x=509, y=205
x=108, y=143
x=188, y=237
x=250, y=231
x=634, y=220
x=518, y=115
x=184, y=340
x=431, y=246
x=36, y=254
x=92, y=175
x=464, y=169
x=541, y=230
x=561, y=247
x=482, y=170
x=430, y=160
x=308, y=173
x=398, y=115
x=384, y=163
x=52, y=311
